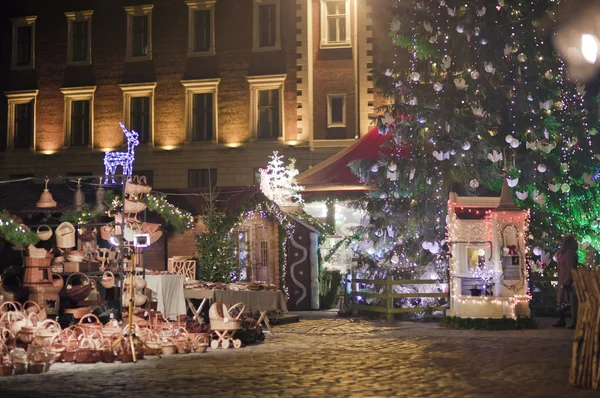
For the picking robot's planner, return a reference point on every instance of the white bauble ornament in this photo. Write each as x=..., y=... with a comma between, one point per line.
x=435, y=248
x=522, y=57
x=437, y=87
x=422, y=120
x=489, y=68
x=415, y=76
x=566, y=188
x=481, y=12
x=508, y=139
x=466, y=146
x=537, y=251
x=474, y=183
x=395, y=259
x=460, y=29
x=390, y=231
x=393, y=166
x=548, y=75
x=594, y=224
x=483, y=42
x=541, y=168
x=476, y=31
x=512, y=182
x=413, y=101
x=474, y=75
x=374, y=168
x=559, y=105
x=515, y=143
x=426, y=245
x=446, y=62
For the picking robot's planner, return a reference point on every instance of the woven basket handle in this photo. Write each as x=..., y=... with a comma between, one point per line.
x=50, y=324
x=243, y=307
x=142, y=180
x=108, y=274
x=89, y=316
x=42, y=226
x=77, y=273
x=25, y=304
x=15, y=304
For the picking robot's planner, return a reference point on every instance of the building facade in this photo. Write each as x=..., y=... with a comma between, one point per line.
x=212, y=87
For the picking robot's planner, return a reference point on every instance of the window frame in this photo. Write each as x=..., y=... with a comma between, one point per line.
x=255, y=25
x=138, y=11
x=200, y=5
x=17, y=23
x=330, y=122
x=260, y=83
x=79, y=16
x=200, y=86
x=17, y=98
x=136, y=90
x=325, y=43
x=209, y=172
x=77, y=94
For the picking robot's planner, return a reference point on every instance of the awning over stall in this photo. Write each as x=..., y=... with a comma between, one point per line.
x=334, y=174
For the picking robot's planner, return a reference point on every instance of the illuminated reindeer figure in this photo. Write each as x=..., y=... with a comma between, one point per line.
x=112, y=160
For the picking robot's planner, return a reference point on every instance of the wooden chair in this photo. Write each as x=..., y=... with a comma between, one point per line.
x=182, y=266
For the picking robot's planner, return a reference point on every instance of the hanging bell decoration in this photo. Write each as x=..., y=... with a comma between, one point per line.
x=79, y=198
x=100, y=206
x=46, y=201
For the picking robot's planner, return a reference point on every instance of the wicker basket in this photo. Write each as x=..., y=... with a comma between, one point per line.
x=44, y=232
x=108, y=280
x=34, y=252
x=79, y=292
x=134, y=206
x=65, y=235
x=90, y=328
x=31, y=307
x=220, y=316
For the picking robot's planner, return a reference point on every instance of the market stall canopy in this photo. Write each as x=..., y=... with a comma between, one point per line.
x=228, y=199
x=334, y=174
x=21, y=197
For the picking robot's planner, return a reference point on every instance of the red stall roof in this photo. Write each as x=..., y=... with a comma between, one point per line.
x=334, y=174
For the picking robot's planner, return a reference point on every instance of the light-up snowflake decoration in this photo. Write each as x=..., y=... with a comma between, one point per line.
x=112, y=160
x=278, y=182
x=484, y=273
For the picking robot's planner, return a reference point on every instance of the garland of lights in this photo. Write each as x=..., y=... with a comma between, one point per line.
x=16, y=234
x=180, y=220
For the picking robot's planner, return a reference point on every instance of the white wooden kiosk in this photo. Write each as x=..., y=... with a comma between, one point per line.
x=487, y=232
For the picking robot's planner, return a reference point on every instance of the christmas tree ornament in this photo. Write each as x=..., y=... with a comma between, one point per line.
x=539, y=198
x=428, y=180
x=446, y=62
x=481, y=12
x=541, y=168
x=495, y=156
x=375, y=168
x=389, y=73
x=588, y=180
x=478, y=111
x=594, y=224
x=476, y=31
x=451, y=11
x=545, y=104
x=581, y=89
x=460, y=28
x=565, y=188
x=484, y=41
x=411, y=176
x=393, y=166
x=413, y=101
x=522, y=57
x=441, y=155
x=474, y=75
x=537, y=251
x=559, y=105
x=422, y=120
x=512, y=182
x=395, y=25
x=392, y=175
x=489, y=68
x=508, y=138
x=466, y=146
x=428, y=27
x=437, y=87
x=390, y=231
x=415, y=76
x=46, y=200
x=474, y=183
x=515, y=143
x=433, y=39
x=395, y=259
x=460, y=84
x=548, y=75
x=553, y=187
x=522, y=195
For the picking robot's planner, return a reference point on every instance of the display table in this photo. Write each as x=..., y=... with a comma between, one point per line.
x=167, y=290
x=260, y=301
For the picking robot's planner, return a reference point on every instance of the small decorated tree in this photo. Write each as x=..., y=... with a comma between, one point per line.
x=216, y=250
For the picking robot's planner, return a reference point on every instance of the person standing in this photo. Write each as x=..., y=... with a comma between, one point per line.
x=566, y=297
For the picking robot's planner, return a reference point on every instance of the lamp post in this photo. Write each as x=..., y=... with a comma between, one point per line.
x=575, y=30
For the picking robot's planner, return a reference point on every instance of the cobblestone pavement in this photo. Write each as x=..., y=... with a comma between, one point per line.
x=335, y=358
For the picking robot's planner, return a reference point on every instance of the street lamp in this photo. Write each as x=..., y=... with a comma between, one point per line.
x=575, y=27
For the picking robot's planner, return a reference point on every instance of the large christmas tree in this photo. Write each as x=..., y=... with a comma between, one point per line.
x=477, y=95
